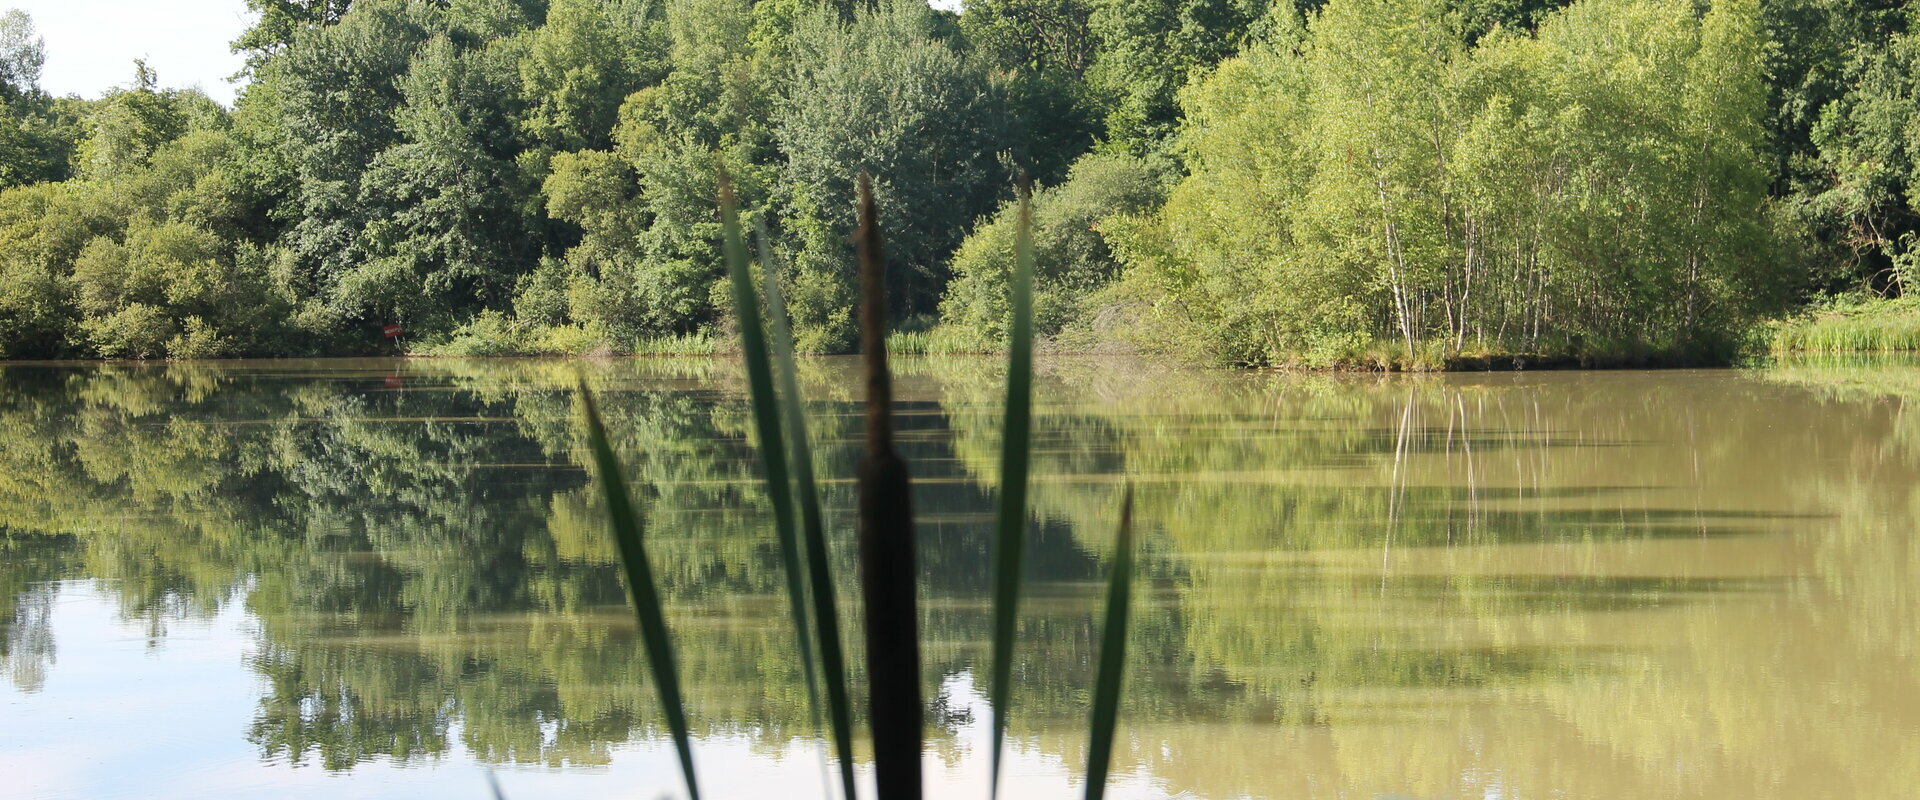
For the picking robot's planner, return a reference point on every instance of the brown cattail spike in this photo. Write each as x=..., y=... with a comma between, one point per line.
x=887, y=569
x=873, y=325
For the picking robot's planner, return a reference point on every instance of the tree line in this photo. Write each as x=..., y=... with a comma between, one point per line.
x=1227, y=180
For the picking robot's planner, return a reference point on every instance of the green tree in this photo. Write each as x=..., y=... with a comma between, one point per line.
x=1383, y=181
x=37, y=133
x=1151, y=48
x=1046, y=48
x=643, y=262
x=280, y=21
x=42, y=229
x=1860, y=185
x=581, y=64
x=886, y=95
x=1220, y=272
x=334, y=93
x=22, y=55
x=177, y=275
x=445, y=234
x=130, y=124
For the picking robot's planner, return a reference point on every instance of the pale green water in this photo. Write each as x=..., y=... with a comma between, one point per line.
x=378, y=578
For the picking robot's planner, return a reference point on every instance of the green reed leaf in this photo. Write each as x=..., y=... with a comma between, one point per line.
x=1113, y=657
x=826, y=613
x=1009, y=542
x=766, y=423
x=627, y=530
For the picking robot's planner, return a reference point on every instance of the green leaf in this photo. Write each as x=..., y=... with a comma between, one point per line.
x=1010, y=533
x=766, y=422
x=1113, y=657
x=826, y=611
x=625, y=521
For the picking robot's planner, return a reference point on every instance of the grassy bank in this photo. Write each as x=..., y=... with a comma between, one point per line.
x=1376, y=357
x=567, y=340
x=496, y=335
x=571, y=341
x=1850, y=324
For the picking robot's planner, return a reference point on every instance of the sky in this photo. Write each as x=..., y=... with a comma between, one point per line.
x=91, y=44
x=123, y=713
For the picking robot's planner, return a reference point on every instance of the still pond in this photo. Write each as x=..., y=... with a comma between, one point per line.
x=391, y=579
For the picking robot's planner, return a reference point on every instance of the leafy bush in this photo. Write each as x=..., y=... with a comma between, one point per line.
x=136, y=330
x=1072, y=259
x=199, y=340
x=489, y=333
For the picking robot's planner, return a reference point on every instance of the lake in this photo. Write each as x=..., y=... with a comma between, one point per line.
x=391, y=579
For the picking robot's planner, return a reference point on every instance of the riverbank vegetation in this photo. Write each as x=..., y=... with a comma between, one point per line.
x=1851, y=324
x=1390, y=182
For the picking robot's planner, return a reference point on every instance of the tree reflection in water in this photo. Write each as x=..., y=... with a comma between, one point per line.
x=1596, y=585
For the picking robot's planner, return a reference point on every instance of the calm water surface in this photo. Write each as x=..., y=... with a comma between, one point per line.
x=386, y=579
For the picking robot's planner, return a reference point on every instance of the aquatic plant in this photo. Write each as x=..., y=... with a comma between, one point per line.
x=767, y=415
x=1010, y=529
x=624, y=520
x=885, y=527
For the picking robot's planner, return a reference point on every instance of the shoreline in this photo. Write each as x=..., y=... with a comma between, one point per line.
x=1490, y=362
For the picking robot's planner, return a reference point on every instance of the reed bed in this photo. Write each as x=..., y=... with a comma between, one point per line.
x=885, y=531
x=1852, y=326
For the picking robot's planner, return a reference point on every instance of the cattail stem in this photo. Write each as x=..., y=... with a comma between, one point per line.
x=887, y=568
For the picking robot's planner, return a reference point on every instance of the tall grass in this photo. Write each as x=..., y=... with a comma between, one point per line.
x=938, y=340
x=1852, y=326
x=915, y=343
x=692, y=344
x=885, y=529
x=492, y=334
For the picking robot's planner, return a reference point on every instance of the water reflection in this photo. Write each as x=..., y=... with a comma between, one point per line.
x=1570, y=585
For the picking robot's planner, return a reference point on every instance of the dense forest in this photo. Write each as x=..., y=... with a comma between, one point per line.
x=1225, y=180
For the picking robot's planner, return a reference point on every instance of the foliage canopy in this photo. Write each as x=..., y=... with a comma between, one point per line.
x=1230, y=181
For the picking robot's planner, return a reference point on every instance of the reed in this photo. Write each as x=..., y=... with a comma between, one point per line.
x=766, y=423
x=937, y=340
x=693, y=344
x=885, y=527
x=1010, y=530
x=627, y=529
x=912, y=343
x=1113, y=657
x=826, y=612
x=887, y=569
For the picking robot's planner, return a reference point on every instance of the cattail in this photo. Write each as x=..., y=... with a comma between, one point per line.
x=887, y=570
